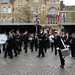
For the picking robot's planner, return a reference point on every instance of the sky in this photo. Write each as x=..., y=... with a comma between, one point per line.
x=69, y=2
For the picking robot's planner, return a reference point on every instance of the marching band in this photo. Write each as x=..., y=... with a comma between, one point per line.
x=12, y=43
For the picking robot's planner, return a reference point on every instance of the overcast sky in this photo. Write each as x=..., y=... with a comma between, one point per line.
x=69, y=2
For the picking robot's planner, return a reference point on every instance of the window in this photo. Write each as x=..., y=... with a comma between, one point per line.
x=36, y=1
x=63, y=16
x=9, y=19
x=9, y=10
x=19, y=2
x=4, y=20
x=52, y=11
x=52, y=1
x=4, y=1
x=4, y=10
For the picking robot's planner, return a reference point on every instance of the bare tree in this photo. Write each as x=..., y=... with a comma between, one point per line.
x=24, y=14
x=42, y=19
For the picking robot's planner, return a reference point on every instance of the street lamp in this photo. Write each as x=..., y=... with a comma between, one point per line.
x=37, y=19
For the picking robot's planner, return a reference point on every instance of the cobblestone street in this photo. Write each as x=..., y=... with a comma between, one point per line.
x=29, y=64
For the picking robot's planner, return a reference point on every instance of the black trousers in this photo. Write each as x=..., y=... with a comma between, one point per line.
x=3, y=47
x=52, y=44
x=25, y=46
x=20, y=46
x=10, y=51
x=55, y=49
x=41, y=52
x=31, y=45
x=73, y=51
x=45, y=46
x=61, y=58
x=15, y=50
x=6, y=53
x=36, y=45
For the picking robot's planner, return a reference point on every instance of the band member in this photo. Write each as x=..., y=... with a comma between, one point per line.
x=72, y=45
x=25, y=40
x=41, y=38
x=14, y=43
x=0, y=48
x=4, y=44
x=60, y=46
x=55, y=43
x=51, y=41
x=36, y=41
x=31, y=38
x=9, y=46
x=46, y=42
x=18, y=41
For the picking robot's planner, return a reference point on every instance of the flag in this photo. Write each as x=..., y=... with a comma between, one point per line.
x=36, y=15
x=59, y=18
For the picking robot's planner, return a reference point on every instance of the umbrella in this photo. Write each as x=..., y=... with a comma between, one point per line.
x=46, y=26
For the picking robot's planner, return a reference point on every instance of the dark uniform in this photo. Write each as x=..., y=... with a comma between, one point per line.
x=60, y=46
x=55, y=44
x=72, y=45
x=18, y=43
x=25, y=40
x=46, y=42
x=14, y=44
x=36, y=41
x=41, y=38
x=9, y=47
x=31, y=42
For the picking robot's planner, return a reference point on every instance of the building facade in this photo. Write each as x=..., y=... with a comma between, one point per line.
x=5, y=11
x=47, y=11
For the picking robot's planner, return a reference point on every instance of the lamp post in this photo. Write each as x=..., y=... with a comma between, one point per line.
x=37, y=19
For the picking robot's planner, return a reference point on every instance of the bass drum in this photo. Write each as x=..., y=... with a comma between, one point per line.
x=3, y=38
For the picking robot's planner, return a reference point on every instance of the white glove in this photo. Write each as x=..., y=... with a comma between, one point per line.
x=57, y=48
x=67, y=46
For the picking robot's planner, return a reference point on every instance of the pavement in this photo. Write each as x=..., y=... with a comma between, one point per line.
x=29, y=64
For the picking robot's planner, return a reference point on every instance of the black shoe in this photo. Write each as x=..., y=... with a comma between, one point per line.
x=31, y=51
x=38, y=56
x=4, y=57
x=62, y=66
x=0, y=51
x=43, y=56
x=35, y=49
x=15, y=55
x=25, y=51
x=10, y=57
x=18, y=53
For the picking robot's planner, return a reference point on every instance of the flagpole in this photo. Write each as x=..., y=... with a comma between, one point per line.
x=59, y=20
x=36, y=19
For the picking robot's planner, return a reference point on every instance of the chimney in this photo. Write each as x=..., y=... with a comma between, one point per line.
x=61, y=5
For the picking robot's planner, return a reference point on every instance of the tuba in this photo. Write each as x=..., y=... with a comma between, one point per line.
x=3, y=38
